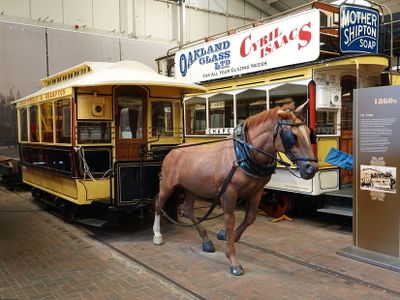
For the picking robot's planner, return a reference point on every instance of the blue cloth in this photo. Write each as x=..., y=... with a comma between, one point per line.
x=340, y=159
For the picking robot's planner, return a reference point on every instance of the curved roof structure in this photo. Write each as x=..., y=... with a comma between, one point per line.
x=103, y=73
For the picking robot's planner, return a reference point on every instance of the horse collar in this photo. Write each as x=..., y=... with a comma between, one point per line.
x=245, y=158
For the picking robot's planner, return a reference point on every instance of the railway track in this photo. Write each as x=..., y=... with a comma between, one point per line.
x=252, y=247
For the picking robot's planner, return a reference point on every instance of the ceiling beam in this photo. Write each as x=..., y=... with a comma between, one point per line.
x=263, y=6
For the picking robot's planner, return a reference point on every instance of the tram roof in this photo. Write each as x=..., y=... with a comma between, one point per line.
x=104, y=73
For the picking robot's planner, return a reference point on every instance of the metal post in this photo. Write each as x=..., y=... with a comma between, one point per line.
x=182, y=21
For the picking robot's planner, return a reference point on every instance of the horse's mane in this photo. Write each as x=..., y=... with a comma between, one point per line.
x=266, y=116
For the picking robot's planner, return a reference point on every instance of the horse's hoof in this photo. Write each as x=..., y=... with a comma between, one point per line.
x=158, y=240
x=237, y=270
x=208, y=247
x=221, y=235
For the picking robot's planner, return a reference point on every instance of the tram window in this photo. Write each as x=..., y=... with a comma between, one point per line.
x=326, y=122
x=63, y=121
x=221, y=111
x=33, y=124
x=94, y=132
x=161, y=119
x=46, y=120
x=23, y=130
x=130, y=117
x=294, y=94
x=195, y=116
x=250, y=102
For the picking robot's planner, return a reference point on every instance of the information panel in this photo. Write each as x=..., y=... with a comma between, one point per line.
x=377, y=148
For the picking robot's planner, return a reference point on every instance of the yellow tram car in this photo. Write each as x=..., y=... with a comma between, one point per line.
x=327, y=81
x=97, y=133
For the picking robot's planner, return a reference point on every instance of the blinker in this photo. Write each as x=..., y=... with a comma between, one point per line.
x=289, y=139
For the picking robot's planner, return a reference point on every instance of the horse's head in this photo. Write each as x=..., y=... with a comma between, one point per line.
x=294, y=138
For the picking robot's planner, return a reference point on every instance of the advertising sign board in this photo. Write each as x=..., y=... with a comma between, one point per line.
x=359, y=29
x=287, y=41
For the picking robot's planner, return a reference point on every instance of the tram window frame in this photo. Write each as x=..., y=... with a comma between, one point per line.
x=130, y=124
x=47, y=127
x=221, y=116
x=293, y=93
x=167, y=118
x=63, y=121
x=195, y=115
x=327, y=122
x=96, y=132
x=34, y=131
x=243, y=105
x=23, y=128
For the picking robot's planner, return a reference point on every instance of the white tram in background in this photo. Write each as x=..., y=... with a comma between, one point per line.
x=96, y=134
x=290, y=58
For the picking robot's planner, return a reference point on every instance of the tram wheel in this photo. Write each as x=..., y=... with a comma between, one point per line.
x=277, y=207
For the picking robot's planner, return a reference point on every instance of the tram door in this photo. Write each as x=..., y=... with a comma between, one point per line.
x=130, y=121
x=348, y=83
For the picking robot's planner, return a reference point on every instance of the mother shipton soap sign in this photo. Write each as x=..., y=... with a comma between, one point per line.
x=359, y=29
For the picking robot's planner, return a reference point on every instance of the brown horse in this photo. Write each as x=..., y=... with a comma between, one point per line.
x=209, y=171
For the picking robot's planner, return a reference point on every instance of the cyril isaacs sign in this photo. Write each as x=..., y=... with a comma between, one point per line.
x=284, y=42
x=359, y=29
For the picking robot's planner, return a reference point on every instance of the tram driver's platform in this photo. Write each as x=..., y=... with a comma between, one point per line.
x=43, y=257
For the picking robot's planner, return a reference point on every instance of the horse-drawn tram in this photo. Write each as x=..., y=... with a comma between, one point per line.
x=319, y=53
x=96, y=134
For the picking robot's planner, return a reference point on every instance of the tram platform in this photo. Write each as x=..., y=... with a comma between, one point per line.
x=43, y=257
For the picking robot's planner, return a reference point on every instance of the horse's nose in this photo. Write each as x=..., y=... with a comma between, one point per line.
x=310, y=169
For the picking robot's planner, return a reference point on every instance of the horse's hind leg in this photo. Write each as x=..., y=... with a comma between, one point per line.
x=187, y=207
x=161, y=198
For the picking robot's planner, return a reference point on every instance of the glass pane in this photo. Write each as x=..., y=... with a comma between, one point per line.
x=161, y=119
x=130, y=116
x=63, y=121
x=221, y=111
x=23, y=133
x=249, y=103
x=33, y=124
x=46, y=119
x=94, y=132
x=326, y=122
x=295, y=94
x=195, y=115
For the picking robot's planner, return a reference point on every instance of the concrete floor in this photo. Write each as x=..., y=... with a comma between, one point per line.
x=43, y=257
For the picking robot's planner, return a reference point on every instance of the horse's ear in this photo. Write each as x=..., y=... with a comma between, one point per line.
x=282, y=114
x=301, y=107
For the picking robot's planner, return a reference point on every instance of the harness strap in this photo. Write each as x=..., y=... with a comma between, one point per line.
x=221, y=190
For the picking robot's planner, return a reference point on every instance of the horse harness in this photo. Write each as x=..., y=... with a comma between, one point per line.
x=246, y=161
x=248, y=164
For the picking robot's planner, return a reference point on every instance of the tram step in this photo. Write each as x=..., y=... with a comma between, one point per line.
x=92, y=222
x=336, y=210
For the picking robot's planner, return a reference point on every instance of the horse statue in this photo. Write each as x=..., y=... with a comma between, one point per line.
x=235, y=168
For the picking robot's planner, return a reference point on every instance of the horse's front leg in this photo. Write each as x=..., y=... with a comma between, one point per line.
x=187, y=207
x=229, y=203
x=251, y=213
